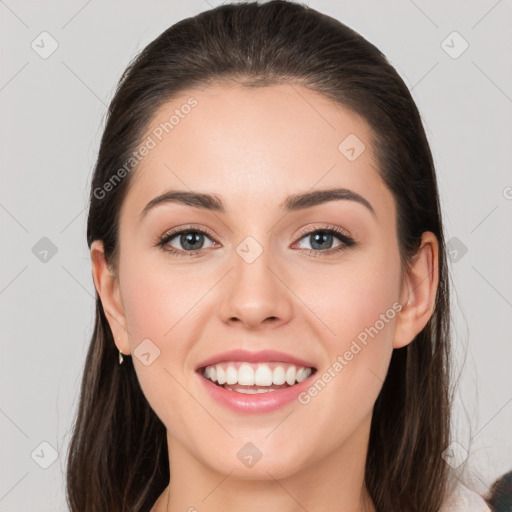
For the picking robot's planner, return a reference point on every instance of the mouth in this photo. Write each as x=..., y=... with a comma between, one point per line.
x=255, y=378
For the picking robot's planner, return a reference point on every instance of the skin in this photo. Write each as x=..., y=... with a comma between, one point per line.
x=253, y=148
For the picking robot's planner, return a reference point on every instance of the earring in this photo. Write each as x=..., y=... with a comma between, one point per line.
x=120, y=355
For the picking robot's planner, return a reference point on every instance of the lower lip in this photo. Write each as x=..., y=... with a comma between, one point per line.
x=257, y=403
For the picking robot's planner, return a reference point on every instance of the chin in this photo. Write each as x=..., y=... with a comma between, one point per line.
x=267, y=467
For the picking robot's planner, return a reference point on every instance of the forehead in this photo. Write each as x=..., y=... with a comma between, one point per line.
x=255, y=146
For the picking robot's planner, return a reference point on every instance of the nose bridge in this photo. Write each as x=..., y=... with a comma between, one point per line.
x=252, y=261
x=255, y=292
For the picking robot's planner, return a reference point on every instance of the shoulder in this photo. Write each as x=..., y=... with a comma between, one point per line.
x=463, y=499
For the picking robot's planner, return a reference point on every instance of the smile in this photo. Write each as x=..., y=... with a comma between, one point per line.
x=255, y=387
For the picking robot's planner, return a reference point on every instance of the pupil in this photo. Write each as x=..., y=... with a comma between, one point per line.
x=321, y=236
x=190, y=238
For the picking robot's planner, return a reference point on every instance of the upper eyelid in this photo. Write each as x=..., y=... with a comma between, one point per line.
x=312, y=229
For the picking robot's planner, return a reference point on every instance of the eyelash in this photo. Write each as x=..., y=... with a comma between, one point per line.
x=346, y=240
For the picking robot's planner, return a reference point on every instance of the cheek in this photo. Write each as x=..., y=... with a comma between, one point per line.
x=155, y=300
x=359, y=305
x=156, y=306
x=361, y=293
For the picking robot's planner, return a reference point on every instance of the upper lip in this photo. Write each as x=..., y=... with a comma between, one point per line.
x=251, y=356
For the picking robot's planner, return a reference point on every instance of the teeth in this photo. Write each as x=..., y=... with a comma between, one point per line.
x=251, y=391
x=290, y=376
x=262, y=375
x=245, y=375
x=256, y=374
x=278, y=375
x=231, y=376
x=302, y=374
x=221, y=375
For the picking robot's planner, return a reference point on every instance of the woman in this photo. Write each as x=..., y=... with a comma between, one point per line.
x=268, y=254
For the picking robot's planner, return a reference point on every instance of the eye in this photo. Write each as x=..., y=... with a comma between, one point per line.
x=321, y=240
x=191, y=240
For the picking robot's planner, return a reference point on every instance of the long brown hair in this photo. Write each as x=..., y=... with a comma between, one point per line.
x=118, y=459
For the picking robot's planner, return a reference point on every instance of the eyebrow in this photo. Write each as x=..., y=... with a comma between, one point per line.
x=292, y=203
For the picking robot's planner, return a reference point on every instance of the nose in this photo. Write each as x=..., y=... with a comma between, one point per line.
x=256, y=293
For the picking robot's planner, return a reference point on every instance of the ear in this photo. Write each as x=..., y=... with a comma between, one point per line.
x=418, y=292
x=107, y=286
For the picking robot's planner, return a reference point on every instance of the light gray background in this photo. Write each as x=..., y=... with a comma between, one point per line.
x=51, y=120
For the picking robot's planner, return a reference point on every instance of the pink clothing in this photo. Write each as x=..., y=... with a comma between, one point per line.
x=465, y=500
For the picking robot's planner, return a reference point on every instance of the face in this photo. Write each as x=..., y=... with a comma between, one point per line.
x=262, y=276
